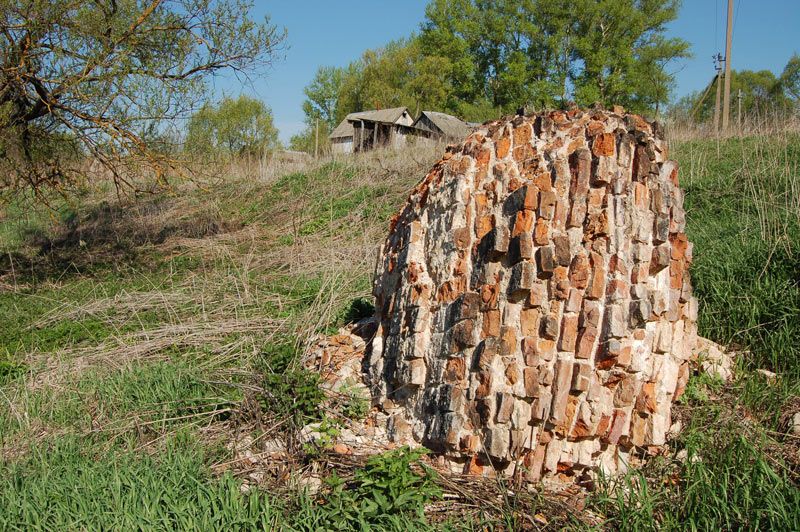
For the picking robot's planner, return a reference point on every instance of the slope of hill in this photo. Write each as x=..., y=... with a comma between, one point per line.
x=142, y=340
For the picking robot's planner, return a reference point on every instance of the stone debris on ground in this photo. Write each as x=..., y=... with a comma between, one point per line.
x=771, y=376
x=535, y=312
x=714, y=360
x=339, y=361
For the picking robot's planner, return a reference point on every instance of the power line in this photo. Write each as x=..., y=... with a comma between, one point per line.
x=736, y=17
x=726, y=102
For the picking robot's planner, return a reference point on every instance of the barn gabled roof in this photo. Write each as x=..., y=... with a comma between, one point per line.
x=449, y=125
x=386, y=116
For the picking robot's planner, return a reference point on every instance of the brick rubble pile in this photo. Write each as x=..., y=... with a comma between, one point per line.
x=534, y=307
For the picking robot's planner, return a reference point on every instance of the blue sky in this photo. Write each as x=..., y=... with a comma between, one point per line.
x=324, y=32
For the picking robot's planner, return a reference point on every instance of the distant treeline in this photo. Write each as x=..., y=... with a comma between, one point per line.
x=762, y=93
x=480, y=59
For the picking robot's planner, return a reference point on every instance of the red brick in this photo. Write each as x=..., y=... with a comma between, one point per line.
x=580, y=430
x=522, y=134
x=604, y=145
x=597, y=284
x=489, y=293
x=574, y=301
x=491, y=324
x=541, y=232
x=679, y=244
x=676, y=270
x=461, y=237
x=646, y=402
x=569, y=333
x=547, y=204
x=530, y=350
x=619, y=426
x=531, y=201
x=581, y=376
x=502, y=147
x=529, y=321
x=531, y=378
x=482, y=164
x=455, y=371
x=588, y=335
x=550, y=326
x=618, y=290
x=523, y=223
x=484, y=384
x=595, y=128
x=538, y=295
x=508, y=341
x=579, y=271
x=603, y=425
x=462, y=335
x=512, y=373
x=451, y=289
x=559, y=283
x=484, y=226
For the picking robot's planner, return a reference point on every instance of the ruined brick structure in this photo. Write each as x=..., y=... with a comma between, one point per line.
x=534, y=307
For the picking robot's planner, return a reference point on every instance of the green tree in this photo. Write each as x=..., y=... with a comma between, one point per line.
x=790, y=79
x=241, y=126
x=322, y=96
x=542, y=52
x=624, y=52
x=308, y=139
x=398, y=74
x=105, y=73
x=761, y=92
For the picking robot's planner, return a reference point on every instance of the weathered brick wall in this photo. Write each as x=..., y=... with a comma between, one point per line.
x=534, y=305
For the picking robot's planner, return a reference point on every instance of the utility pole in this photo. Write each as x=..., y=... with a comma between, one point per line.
x=718, y=80
x=316, y=139
x=726, y=106
x=739, y=114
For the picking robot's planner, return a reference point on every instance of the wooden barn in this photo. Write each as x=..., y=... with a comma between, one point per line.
x=368, y=130
x=442, y=126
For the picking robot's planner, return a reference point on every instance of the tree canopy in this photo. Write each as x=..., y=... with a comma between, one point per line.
x=762, y=92
x=542, y=52
x=790, y=79
x=240, y=126
x=479, y=59
x=102, y=74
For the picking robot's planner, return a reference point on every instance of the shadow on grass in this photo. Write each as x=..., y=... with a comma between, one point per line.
x=107, y=236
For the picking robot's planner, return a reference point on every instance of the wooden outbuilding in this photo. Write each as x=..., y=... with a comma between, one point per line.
x=368, y=130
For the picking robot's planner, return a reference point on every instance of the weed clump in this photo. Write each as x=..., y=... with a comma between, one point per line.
x=289, y=392
x=10, y=370
x=391, y=485
x=360, y=308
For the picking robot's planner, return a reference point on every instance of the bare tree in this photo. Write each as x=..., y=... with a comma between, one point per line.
x=103, y=78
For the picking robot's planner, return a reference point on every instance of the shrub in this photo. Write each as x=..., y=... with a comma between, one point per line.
x=289, y=391
x=388, y=486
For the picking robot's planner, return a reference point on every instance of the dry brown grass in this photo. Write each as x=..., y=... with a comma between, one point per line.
x=236, y=297
x=766, y=123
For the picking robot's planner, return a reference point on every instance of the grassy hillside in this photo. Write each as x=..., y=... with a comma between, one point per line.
x=139, y=338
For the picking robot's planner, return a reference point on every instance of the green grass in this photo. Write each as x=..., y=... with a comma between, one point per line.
x=66, y=486
x=117, y=444
x=21, y=310
x=107, y=443
x=102, y=404
x=728, y=479
x=744, y=221
x=743, y=216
